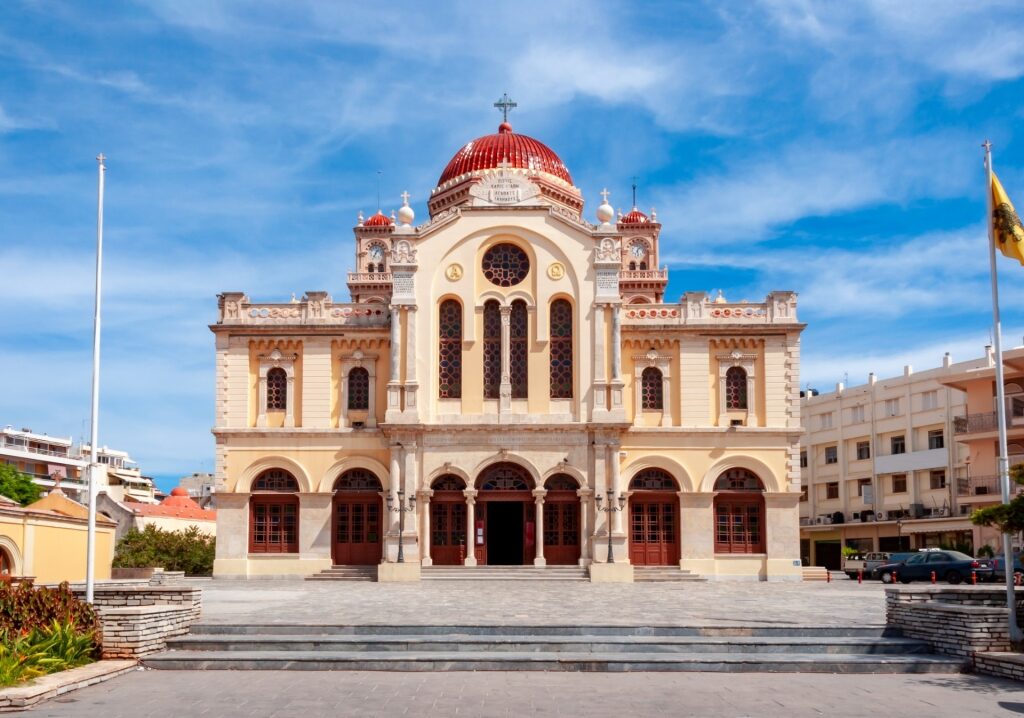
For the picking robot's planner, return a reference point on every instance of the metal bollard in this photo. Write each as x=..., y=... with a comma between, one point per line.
x=828, y=576
x=933, y=577
x=974, y=577
x=1017, y=579
x=895, y=576
x=860, y=576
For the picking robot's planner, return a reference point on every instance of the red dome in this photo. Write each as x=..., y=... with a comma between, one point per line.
x=635, y=217
x=488, y=152
x=179, y=491
x=378, y=220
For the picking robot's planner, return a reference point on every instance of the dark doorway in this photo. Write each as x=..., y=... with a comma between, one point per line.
x=828, y=554
x=504, y=533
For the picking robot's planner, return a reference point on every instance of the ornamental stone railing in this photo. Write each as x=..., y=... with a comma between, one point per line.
x=371, y=277
x=315, y=308
x=634, y=275
x=697, y=308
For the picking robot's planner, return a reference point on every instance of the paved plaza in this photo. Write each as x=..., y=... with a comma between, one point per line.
x=718, y=603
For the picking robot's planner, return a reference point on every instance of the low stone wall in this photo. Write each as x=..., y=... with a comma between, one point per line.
x=119, y=596
x=965, y=621
x=132, y=632
x=1004, y=665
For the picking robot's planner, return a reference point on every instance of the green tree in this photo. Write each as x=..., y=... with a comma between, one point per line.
x=1008, y=518
x=190, y=550
x=18, y=486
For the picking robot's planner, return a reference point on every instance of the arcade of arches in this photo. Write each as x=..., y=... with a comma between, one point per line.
x=505, y=518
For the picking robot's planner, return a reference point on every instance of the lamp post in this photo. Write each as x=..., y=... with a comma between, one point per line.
x=402, y=509
x=899, y=533
x=610, y=509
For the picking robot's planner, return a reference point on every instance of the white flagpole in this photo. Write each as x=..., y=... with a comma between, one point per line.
x=90, y=543
x=1016, y=635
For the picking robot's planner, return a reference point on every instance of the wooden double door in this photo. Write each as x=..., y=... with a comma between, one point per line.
x=358, y=528
x=562, y=529
x=448, y=545
x=654, y=529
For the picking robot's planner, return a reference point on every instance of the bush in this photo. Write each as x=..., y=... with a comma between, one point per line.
x=190, y=550
x=18, y=486
x=25, y=608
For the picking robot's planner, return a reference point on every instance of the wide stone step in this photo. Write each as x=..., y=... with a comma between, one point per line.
x=345, y=573
x=503, y=573
x=325, y=660
x=549, y=644
x=316, y=630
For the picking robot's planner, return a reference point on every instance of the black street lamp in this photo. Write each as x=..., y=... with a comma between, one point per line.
x=610, y=509
x=402, y=509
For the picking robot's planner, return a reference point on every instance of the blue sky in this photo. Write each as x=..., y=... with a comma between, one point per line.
x=830, y=148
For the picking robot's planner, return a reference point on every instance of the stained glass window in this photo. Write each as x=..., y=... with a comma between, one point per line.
x=275, y=480
x=277, y=389
x=505, y=477
x=505, y=265
x=492, y=349
x=449, y=372
x=736, y=389
x=651, y=390
x=448, y=482
x=738, y=480
x=561, y=482
x=519, y=350
x=357, y=480
x=561, y=349
x=358, y=389
x=653, y=480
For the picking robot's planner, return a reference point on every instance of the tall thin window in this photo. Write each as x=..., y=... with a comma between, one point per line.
x=358, y=390
x=449, y=374
x=561, y=349
x=519, y=350
x=492, y=349
x=651, y=390
x=277, y=389
x=736, y=389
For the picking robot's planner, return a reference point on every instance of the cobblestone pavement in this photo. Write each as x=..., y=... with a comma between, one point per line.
x=179, y=694
x=841, y=602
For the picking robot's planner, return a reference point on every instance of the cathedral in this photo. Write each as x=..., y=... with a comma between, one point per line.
x=508, y=386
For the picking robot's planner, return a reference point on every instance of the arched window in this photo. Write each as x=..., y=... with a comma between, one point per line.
x=505, y=477
x=519, y=349
x=449, y=374
x=381, y=267
x=359, y=390
x=739, y=513
x=492, y=349
x=371, y=268
x=358, y=480
x=561, y=349
x=736, y=389
x=448, y=482
x=632, y=266
x=274, y=513
x=651, y=390
x=643, y=266
x=653, y=480
x=277, y=389
x=561, y=482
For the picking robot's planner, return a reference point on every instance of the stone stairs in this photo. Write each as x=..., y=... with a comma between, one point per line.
x=548, y=648
x=345, y=573
x=504, y=573
x=648, y=574
x=814, y=573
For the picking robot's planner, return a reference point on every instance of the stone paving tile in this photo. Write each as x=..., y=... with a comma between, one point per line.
x=174, y=694
x=543, y=603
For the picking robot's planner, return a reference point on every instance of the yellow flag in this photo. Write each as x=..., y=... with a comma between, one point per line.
x=1007, y=231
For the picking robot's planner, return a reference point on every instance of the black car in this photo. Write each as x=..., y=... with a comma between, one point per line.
x=950, y=566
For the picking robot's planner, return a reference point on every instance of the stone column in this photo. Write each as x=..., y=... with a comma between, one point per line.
x=410, y=480
x=538, y=500
x=261, y=408
x=394, y=383
x=470, y=495
x=600, y=360
x=616, y=342
x=505, y=390
x=411, y=384
x=315, y=526
x=666, y=399
x=424, y=496
x=586, y=496
x=391, y=545
x=233, y=548
x=613, y=459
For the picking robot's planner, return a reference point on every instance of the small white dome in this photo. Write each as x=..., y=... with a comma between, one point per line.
x=605, y=212
x=406, y=215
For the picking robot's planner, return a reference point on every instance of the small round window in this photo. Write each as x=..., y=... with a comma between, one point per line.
x=506, y=265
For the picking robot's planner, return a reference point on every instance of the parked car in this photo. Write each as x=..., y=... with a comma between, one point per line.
x=866, y=562
x=896, y=557
x=950, y=566
x=999, y=568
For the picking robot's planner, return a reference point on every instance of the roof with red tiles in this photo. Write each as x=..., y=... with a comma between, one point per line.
x=490, y=151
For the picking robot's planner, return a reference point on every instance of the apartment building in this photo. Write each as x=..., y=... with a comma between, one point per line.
x=882, y=468
x=54, y=461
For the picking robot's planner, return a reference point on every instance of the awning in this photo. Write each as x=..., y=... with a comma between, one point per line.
x=928, y=526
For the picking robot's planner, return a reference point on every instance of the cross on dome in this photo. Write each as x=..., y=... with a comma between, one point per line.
x=604, y=195
x=505, y=104
x=405, y=197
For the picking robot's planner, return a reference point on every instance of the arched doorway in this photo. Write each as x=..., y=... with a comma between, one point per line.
x=505, y=513
x=274, y=513
x=653, y=519
x=358, y=523
x=561, y=521
x=448, y=521
x=739, y=512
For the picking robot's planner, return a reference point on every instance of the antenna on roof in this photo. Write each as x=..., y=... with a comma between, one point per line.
x=379, y=173
x=634, y=191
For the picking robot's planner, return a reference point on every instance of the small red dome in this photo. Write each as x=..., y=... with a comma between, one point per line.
x=179, y=491
x=489, y=151
x=635, y=217
x=378, y=220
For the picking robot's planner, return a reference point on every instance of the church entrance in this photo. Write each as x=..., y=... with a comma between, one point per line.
x=561, y=521
x=653, y=519
x=505, y=509
x=448, y=521
x=358, y=520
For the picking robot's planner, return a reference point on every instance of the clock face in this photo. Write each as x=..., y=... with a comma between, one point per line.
x=638, y=250
x=376, y=253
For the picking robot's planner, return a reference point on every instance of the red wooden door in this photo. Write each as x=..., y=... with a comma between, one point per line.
x=448, y=531
x=562, y=529
x=358, y=529
x=653, y=531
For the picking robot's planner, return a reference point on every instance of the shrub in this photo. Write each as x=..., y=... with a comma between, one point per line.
x=57, y=648
x=190, y=550
x=18, y=486
x=25, y=608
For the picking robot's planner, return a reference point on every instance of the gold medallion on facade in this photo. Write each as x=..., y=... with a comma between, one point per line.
x=454, y=272
x=556, y=270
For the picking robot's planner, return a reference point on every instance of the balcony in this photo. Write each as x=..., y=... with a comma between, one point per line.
x=369, y=277
x=975, y=423
x=643, y=275
x=987, y=486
